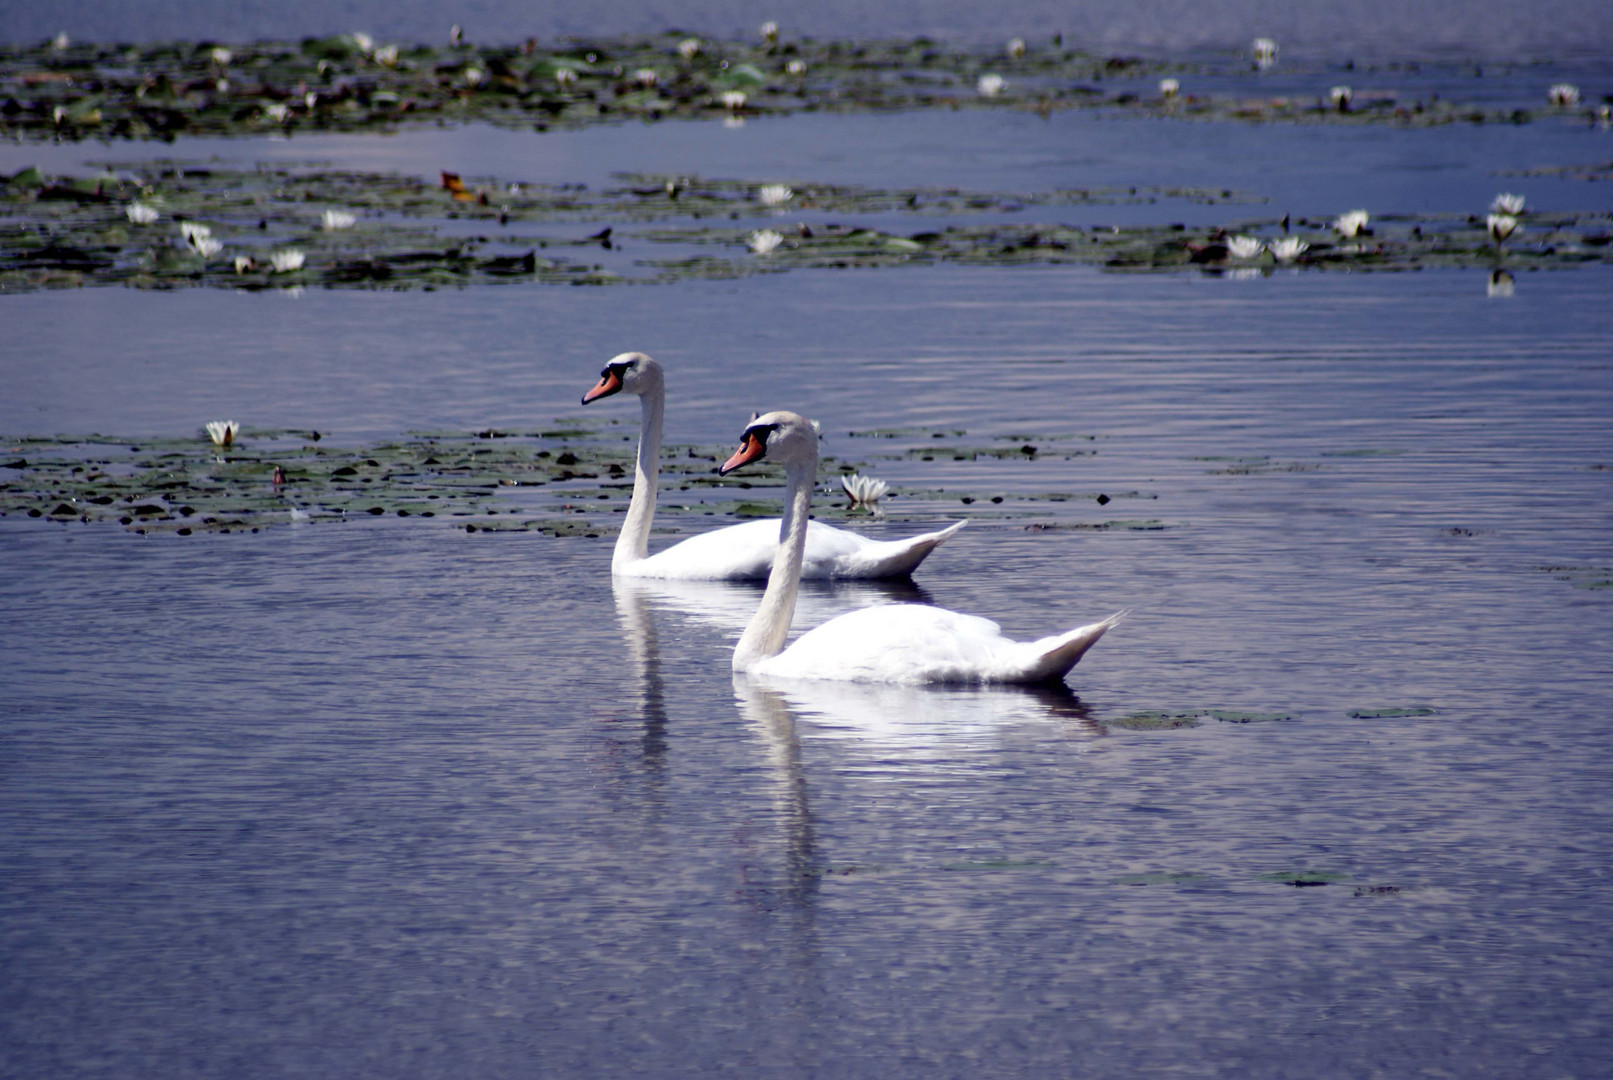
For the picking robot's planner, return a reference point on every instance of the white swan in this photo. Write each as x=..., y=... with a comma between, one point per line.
x=737, y=552
x=895, y=643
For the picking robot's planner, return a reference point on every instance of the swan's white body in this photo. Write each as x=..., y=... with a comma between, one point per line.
x=894, y=643
x=738, y=552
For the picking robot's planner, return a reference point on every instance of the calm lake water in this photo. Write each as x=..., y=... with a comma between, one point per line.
x=392, y=799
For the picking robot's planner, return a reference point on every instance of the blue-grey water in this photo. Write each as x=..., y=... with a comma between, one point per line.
x=393, y=799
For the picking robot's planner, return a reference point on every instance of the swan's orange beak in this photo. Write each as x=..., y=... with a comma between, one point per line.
x=609, y=383
x=750, y=448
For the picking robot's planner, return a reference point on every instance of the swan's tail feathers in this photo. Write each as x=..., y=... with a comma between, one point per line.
x=1053, y=657
x=898, y=558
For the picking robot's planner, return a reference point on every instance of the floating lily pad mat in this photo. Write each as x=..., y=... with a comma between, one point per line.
x=571, y=479
x=173, y=224
x=353, y=83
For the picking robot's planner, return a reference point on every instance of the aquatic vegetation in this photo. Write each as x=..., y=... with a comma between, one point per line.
x=1169, y=88
x=1244, y=247
x=222, y=432
x=60, y=232
x=1563, y=95
x=348, y=83
x=1500, y=227
x=1340, y=97
x=763, y=241
x=1265, y=52
x=865, y=491
x=1506, y=203
x=1287, y=248
x=332, y=220
x=1353, y=223
x=774, y=194
x=140, y=213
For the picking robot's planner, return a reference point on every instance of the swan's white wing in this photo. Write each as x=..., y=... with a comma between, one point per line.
x=745, y=552
x=899, y=643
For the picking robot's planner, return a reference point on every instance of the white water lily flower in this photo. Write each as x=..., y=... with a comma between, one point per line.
x=1563, y=94
x=646, y=77
x=689, y=48
x=1506, y=203
x=1352, y=223
x=770, y=31
x=245, y=264
x=387, y=56
x=1265, y=52
x=1500, y=226
x=140, y=213
x=864, y=490
x=1169, y=88
x=565, y=76
x=365, y=43
x=222, y=56
x=1244, y=247
x=310, y=99
x=58, y=114
x=455, y=34
x=222, y=432
x=287, y=260
x=1288, y=248
x=1016, y=48
x=990, y=85
x=1500, y=284
x=1341, y=96
x=193, y=231
x=774, y=194
x=796, y=67
x=733, y=100
x=332, y=220
x=763, y=241
x=207, y=247
x=474, y=76
x=62, y=41
x=277, y=112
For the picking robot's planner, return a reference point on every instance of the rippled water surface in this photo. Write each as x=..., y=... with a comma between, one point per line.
x=390, y=798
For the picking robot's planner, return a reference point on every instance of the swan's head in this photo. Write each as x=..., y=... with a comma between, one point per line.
x=784, y=438
x=630, y=373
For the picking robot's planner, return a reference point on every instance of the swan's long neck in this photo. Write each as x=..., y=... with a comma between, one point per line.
x=634, y=542
x=770, y=625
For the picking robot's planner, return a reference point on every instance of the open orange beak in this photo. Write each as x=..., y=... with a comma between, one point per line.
x=750, y=448
x=608, y=384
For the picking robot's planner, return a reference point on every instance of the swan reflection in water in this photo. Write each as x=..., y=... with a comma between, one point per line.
x=729, y=605
x=930, y=729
